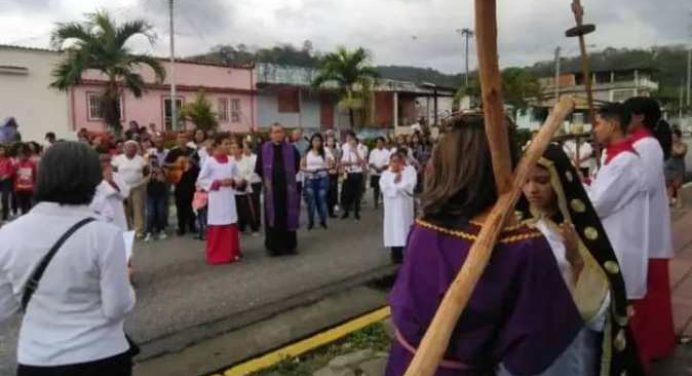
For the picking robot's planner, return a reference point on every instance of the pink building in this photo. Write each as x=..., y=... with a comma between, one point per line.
x=230, y=90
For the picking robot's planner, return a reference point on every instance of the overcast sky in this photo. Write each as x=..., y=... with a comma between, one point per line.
x=403, y=32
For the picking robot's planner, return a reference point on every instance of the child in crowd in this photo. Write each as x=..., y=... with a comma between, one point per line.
x=157, y=200
x=25, y=179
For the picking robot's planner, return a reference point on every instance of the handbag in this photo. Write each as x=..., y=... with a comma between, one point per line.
x=33, y=282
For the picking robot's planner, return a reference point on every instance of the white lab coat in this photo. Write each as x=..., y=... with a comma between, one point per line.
x=221, y=206
x=659, y=237
x=619, y=197
x=398, y=206
x=108, y=202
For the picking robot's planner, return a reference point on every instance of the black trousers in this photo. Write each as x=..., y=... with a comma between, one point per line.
x=375, y=185
x=119, y=365
x=353, y=192
x=256, y=194
x=246, y=213
x=5, y=193
x=25, y=201
x=183, y=205
x=332, y=193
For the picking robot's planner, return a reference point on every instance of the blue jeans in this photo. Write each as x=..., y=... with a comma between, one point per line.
x=156, y=213
x=316, y=197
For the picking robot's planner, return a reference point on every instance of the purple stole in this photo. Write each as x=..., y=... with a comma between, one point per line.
x=293, y=202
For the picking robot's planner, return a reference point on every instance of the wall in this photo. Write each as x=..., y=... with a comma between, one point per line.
x=309, y=116
x=217, y=82
x=37, y=108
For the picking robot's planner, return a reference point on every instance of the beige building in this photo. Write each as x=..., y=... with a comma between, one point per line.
x=25, y=74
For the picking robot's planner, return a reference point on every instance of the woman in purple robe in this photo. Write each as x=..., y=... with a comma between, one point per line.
x=521, y=314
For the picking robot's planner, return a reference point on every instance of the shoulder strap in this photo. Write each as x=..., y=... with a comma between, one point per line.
x=32, y=284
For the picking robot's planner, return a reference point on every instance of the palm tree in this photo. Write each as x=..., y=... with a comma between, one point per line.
x=200, y=113
x=351, y=71
x=99, y=44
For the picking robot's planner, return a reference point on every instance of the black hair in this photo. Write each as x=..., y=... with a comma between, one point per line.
x=68, y=174
x=616, y=112
x=403, y=152
x=50, y=136
x=653, y=121
x=677, y=132
x=381, y=139
x=320, y=151
x=352, y=134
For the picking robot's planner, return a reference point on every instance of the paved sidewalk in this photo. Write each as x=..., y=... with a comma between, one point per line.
x=681, y=285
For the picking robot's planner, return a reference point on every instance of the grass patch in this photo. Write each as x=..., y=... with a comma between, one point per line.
x=373, y=337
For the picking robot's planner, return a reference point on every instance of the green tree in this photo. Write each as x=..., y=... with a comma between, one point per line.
x=100, y=44
x=200, y=113
x=519, y=86
x=353, y=75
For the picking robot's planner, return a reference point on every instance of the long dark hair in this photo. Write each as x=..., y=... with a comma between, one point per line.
x=460, y=183
x=653, y=121
x=320, y=151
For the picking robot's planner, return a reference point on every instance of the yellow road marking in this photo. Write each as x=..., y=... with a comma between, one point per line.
x=308, y=344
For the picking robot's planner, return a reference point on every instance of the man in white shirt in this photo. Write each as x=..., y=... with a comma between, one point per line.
x=354, y=162
x=587, y=156
x=653, y=322
x=619, y=198
x=133, y=169
x=378, y=162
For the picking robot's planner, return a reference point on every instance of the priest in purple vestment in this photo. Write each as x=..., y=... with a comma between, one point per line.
x=277, y=164
x=521, y=315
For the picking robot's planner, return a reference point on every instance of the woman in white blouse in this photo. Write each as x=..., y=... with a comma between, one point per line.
x=73, y=322
x=243, y=193
x=315, y=167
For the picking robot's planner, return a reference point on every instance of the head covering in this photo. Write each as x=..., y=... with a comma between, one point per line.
x=619, y=349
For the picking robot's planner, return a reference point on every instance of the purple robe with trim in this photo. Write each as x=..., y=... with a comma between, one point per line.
x=291, y=188
x=521, y=313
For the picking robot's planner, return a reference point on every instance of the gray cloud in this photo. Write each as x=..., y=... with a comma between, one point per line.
x=410, y=32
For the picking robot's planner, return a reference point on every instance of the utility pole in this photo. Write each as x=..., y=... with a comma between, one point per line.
x=689, y=75
x=174, y=112
x=557, y=74
x=466, y=33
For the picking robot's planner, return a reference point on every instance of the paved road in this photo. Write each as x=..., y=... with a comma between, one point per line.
x=177, y=290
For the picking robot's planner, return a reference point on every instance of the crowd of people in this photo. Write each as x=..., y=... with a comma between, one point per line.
x=141, y=176
x=577, y=285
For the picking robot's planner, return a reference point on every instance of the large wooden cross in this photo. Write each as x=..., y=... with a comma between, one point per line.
x=436, y=340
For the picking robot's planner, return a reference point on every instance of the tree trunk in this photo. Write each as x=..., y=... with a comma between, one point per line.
x=111, y=109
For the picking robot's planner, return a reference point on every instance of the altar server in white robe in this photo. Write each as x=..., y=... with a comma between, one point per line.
x=653, y=322
x=109, y=197
x=397, y=184
x=218, y=176
x=619, y=197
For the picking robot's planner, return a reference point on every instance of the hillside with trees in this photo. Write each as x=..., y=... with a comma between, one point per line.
x=667, y=62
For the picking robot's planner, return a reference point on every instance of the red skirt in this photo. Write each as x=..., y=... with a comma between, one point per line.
x=652, y=324
x=223, y=244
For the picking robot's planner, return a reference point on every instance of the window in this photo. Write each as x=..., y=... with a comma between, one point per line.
x=235, y=110
x=223, y=110
x=167, y=112
x=289, y=101
x=95, y=107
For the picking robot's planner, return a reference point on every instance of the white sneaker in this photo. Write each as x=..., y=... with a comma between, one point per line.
x=255, y=234
x=163, y=236
x=148, y=238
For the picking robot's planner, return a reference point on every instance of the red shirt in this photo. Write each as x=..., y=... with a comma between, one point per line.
x=25, y=176
x=6, y=168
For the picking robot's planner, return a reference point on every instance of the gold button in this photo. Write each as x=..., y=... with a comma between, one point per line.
x=569, y=176
x=578, y=205
x=612, y=267
x=620, y=342
x=591, y=233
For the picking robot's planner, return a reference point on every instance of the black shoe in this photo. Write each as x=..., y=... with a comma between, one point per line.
x=357, y=216
x=323, y=224
x=344, y=216
x=332, y=215
x=180, y=232
x=311, y=225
